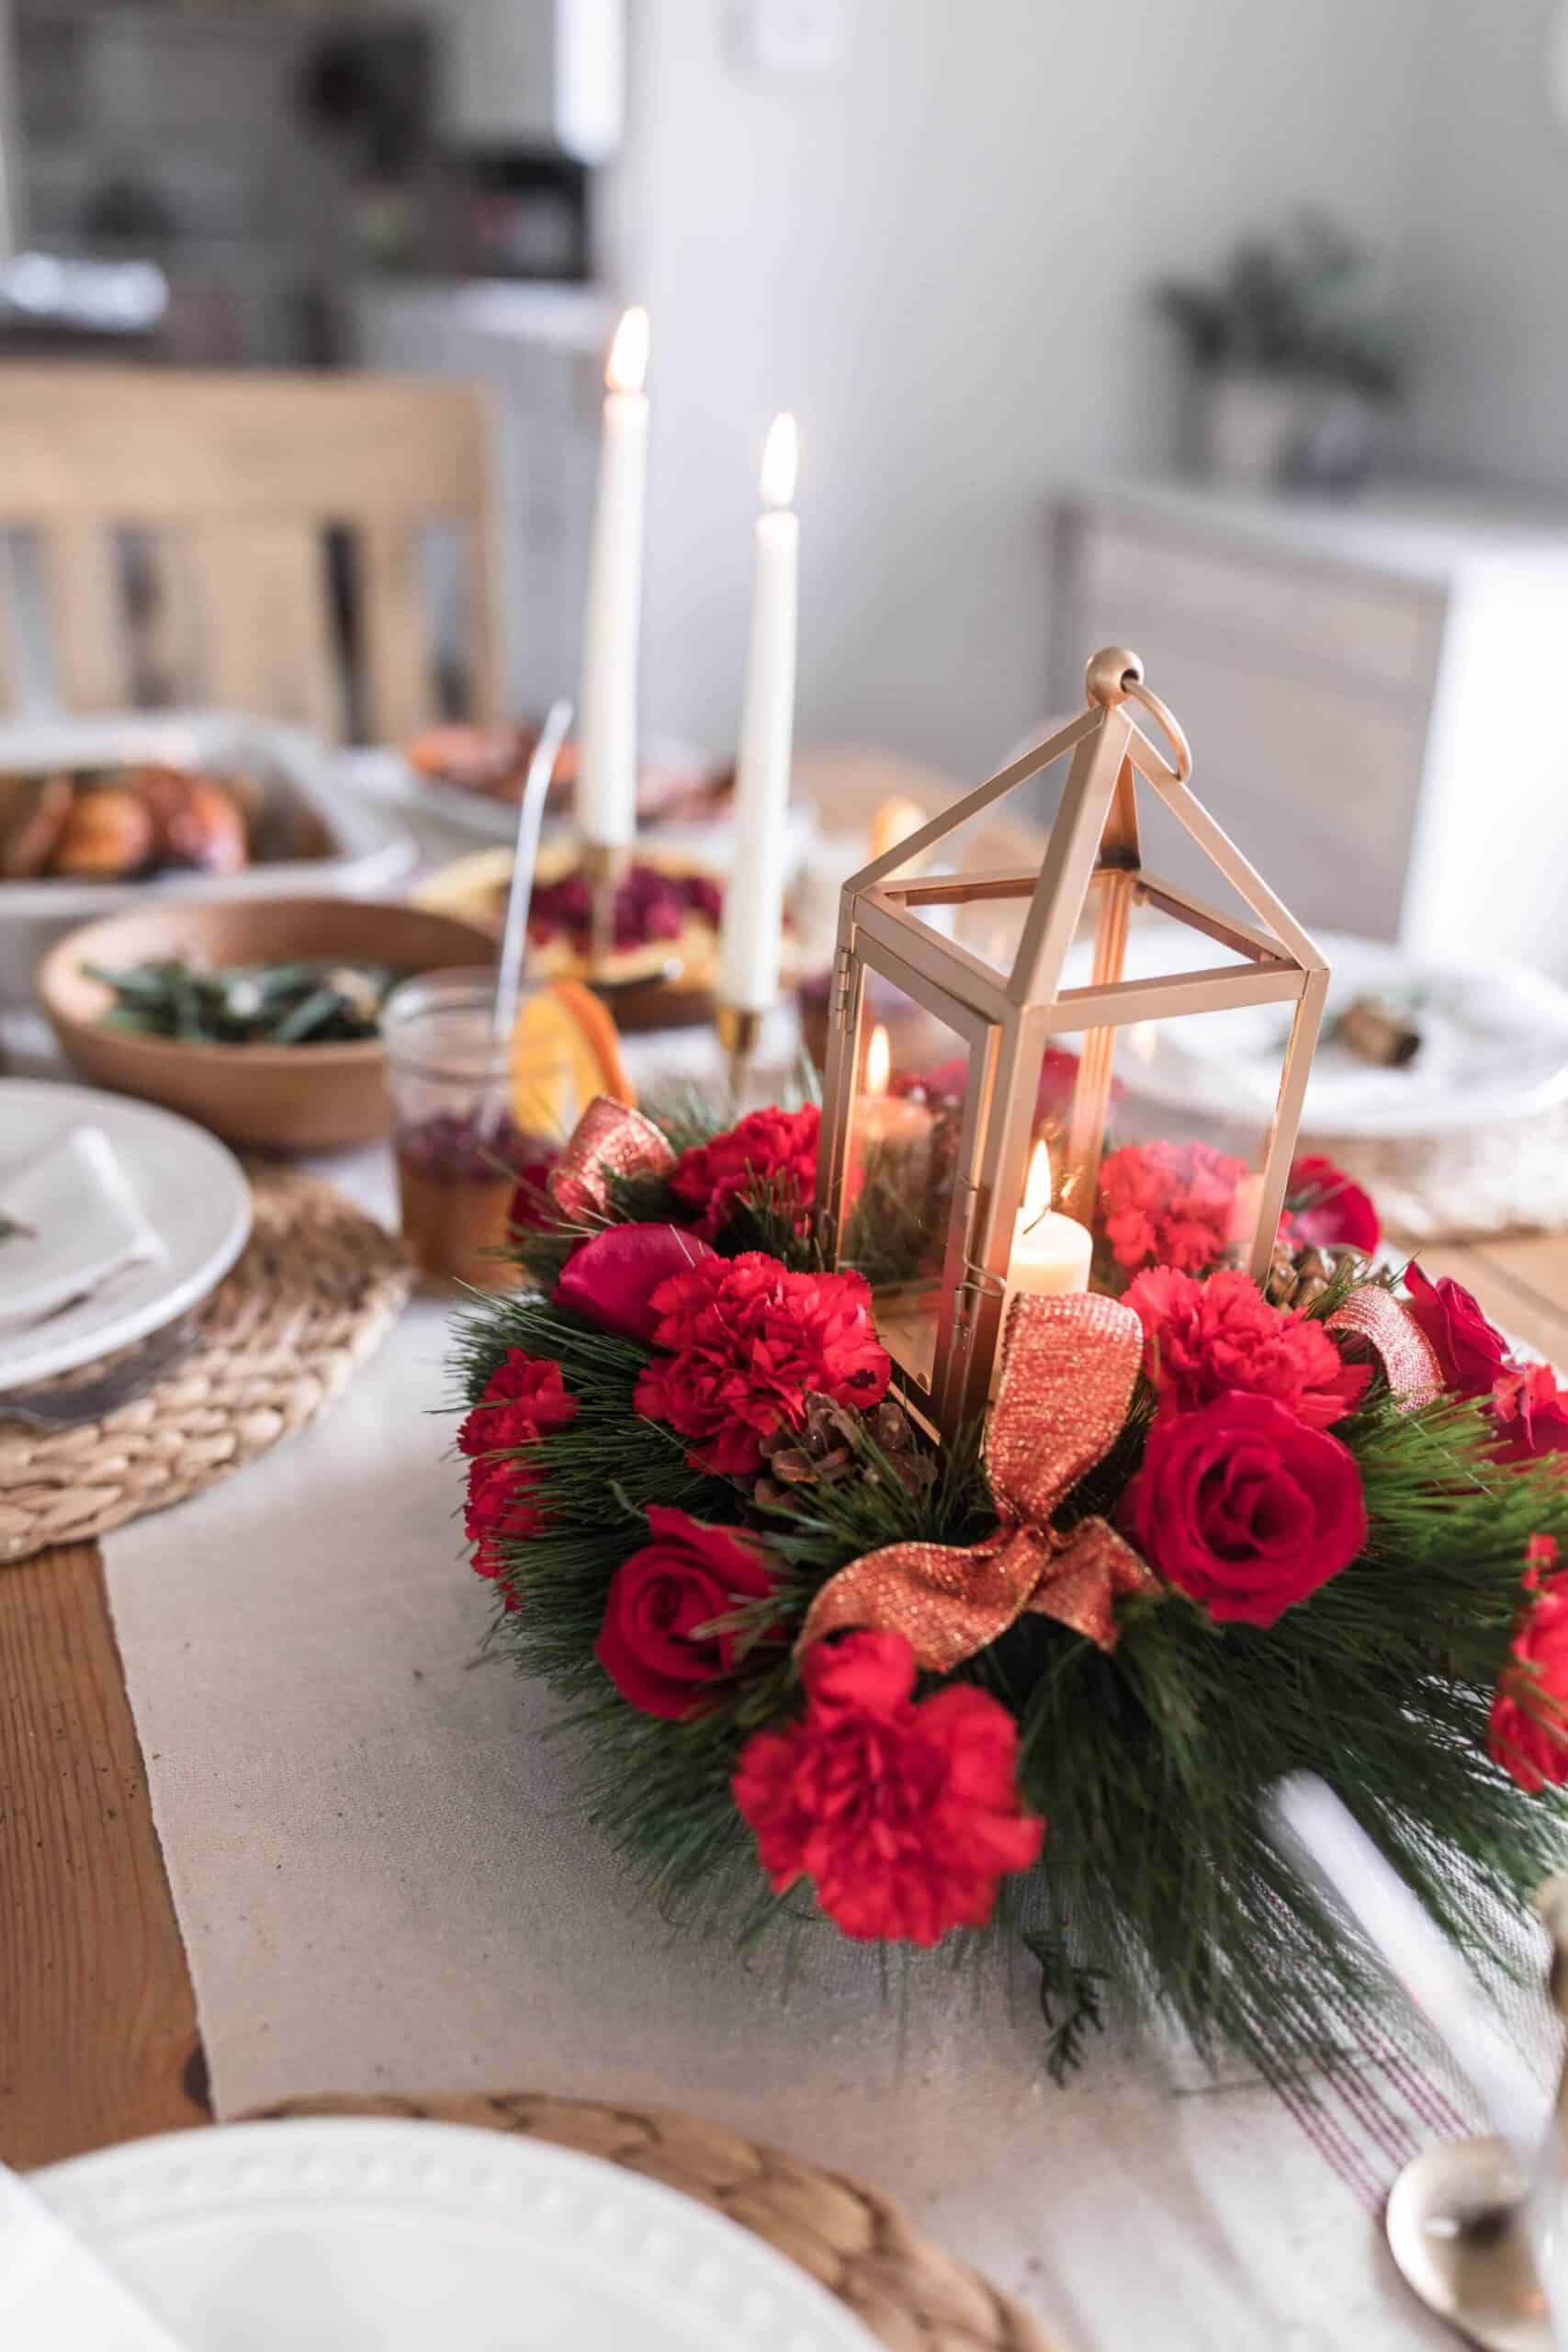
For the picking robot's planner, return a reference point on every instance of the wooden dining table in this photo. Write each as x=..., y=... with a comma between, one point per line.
x=98, y=2035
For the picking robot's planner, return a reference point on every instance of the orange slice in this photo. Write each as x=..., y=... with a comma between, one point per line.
x=566, y=1049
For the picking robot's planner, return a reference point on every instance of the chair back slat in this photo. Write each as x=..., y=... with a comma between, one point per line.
x=397, y=685
x=265, y=622
x=90, y=638
x=232, y=486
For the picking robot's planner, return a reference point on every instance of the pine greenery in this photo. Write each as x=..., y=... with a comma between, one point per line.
x=1158, y=1880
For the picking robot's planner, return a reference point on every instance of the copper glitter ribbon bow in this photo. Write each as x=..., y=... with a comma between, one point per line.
x=1408, y=1356
x=609, y=1140
x=1069, y=1367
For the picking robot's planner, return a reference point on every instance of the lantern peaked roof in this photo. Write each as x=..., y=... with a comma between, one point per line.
x=1095, y=832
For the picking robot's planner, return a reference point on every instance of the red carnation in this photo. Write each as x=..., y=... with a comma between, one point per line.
x=904, y=1815
x=1168, y=1204
x=1531, y=1412
x=1327, y=1211
x=500, y=1503
x=768, y=1148
x=746, y=1341
x=1529, y=1730
x=944, y=1086
x=1202, y=1339
x=1245, y=1508
x=524, y=1399
x=654, y=1644
x=1471, y=1352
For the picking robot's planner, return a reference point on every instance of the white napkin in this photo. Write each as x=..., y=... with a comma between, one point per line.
x=82, y=1222
x=55, y=2295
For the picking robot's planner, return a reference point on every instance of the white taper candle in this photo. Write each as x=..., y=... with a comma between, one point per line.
x=753, y=905
x=607, y=788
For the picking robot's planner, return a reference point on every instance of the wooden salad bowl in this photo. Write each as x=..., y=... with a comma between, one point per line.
x=266, y=1098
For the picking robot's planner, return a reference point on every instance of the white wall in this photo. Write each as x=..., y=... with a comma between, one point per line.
x=938, y=261
x=1486, y=266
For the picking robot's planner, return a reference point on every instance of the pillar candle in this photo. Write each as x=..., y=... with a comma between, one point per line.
x=1050, y=1252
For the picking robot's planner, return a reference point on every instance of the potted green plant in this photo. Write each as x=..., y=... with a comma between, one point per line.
x=1288, y=369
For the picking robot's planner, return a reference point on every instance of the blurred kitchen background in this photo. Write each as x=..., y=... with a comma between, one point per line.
x=1236, y=333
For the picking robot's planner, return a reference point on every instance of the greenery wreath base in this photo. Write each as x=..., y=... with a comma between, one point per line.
x=1097, y=1798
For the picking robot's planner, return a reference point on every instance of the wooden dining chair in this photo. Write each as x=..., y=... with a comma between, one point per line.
x=263, y=542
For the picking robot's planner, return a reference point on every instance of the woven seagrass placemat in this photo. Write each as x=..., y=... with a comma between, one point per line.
x=314, y=1292
x=862, y=2247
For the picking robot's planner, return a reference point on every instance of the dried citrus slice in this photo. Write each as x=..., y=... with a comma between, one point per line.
x=564, y=1050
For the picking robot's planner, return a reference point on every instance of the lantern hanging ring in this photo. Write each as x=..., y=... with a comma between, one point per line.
x=1117, y=675
x=1138, y=692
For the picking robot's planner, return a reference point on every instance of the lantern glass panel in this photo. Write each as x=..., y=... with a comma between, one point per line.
x=1156, y=1142
x=905, y=1137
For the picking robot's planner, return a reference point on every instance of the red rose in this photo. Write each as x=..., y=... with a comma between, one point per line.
x=1245, y=1508
x=1327, y=1211
x=768, y=1148
x=1529, y=1730
x=1470, y=1351
x=652, y=1644
x=746, y=1341
x=1168, y=1204
x=525, y=1398
x=611, y=1280
x=1204, y=1338
x=1531, y=1412
x=905, y=1817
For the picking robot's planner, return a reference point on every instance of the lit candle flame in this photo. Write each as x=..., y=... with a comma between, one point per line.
x=878, y=1061
x=781, y=452
x=627, y=364
x=1037, y=1191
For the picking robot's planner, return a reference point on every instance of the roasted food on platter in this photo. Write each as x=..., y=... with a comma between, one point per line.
x=121, y=823
x=493, y=762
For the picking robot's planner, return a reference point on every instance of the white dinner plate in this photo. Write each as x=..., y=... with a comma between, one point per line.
x=380, y=2235
x=1495, y=1047
x=190, y=1189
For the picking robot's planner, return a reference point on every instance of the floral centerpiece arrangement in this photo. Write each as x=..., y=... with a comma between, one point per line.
x=1034, y=1682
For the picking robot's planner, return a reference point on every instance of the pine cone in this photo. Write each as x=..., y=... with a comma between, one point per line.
x=1299, y=1277
x=826, y=1450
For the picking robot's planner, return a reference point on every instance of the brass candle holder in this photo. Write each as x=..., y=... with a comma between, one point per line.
x=605, y=866
x=739, y=1035
x=1002, y=1014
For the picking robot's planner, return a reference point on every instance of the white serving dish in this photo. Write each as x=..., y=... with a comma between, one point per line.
x=191, y=1193
x=371, y=847
x=382, y=776
x=381, y=2235
x=1494, y=1049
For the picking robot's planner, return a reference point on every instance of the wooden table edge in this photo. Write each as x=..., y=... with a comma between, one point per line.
x=98, y=2037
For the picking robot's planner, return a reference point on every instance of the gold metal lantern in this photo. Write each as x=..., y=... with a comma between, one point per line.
x=1014, y=1095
